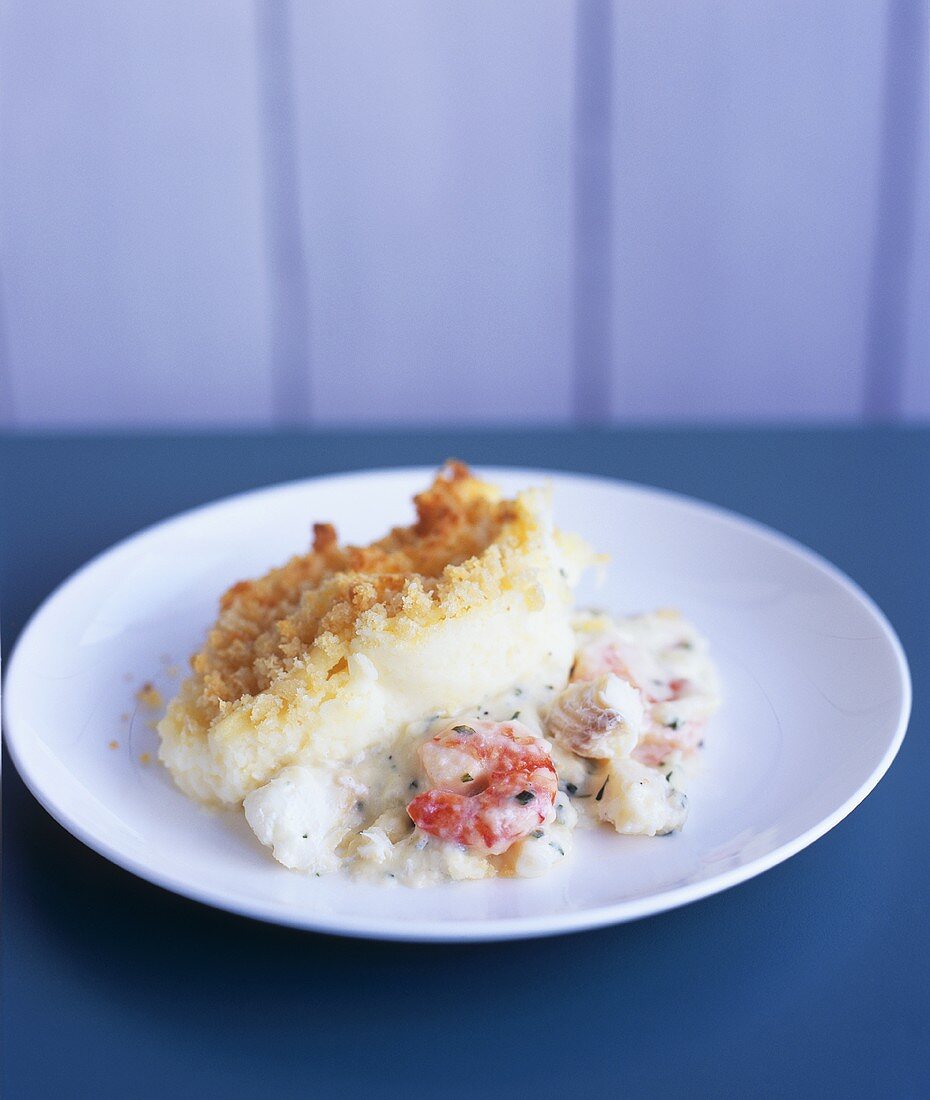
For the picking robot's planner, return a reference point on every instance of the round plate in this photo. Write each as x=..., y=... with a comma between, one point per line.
x=815, y=687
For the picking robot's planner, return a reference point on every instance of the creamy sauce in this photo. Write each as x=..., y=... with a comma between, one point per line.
x=620, y=734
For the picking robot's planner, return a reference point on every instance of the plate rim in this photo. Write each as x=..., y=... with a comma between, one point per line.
x=483, y=930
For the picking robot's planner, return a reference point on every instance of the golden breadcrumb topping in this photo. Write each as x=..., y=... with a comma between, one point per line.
x=267, y=625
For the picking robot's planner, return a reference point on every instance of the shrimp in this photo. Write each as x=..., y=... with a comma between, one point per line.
x=637, y=666
x=493, y=784
x=676, y=708
x=658, y=744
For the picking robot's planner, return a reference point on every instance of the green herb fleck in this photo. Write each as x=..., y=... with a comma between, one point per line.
x=668, y=777
x=558, y=847
x=524, y=796
x=600, y=793
x=466, y=778
x=518, y=691
x=305, y=836
x=673, y=725
x=414, y=785
x=465, y=731
x=536, y=834
x=571, y=788
x=514, y=716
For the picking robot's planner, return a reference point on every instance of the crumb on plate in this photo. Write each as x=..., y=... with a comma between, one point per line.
x=149, y=696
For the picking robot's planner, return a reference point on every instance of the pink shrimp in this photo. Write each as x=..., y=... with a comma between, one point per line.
x=637, y=666
x=493, y=784
x=641, y=669
x=661, y=741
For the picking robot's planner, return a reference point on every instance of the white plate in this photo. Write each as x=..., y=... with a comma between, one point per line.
x=816, y=701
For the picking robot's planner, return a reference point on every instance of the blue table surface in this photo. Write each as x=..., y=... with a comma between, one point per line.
x=811, y=980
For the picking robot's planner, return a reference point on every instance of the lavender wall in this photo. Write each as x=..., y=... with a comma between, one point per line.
x=260, y=212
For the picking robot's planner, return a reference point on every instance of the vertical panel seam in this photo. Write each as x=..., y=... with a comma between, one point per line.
x=895, y=222
x=593, y=212
x=287, y=262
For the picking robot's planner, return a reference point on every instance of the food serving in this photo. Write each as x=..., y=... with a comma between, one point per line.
x=432, y=707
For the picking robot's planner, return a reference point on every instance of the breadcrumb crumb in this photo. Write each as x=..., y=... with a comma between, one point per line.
x=149, y=696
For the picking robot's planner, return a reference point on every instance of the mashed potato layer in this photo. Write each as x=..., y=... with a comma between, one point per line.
x=342, y=648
